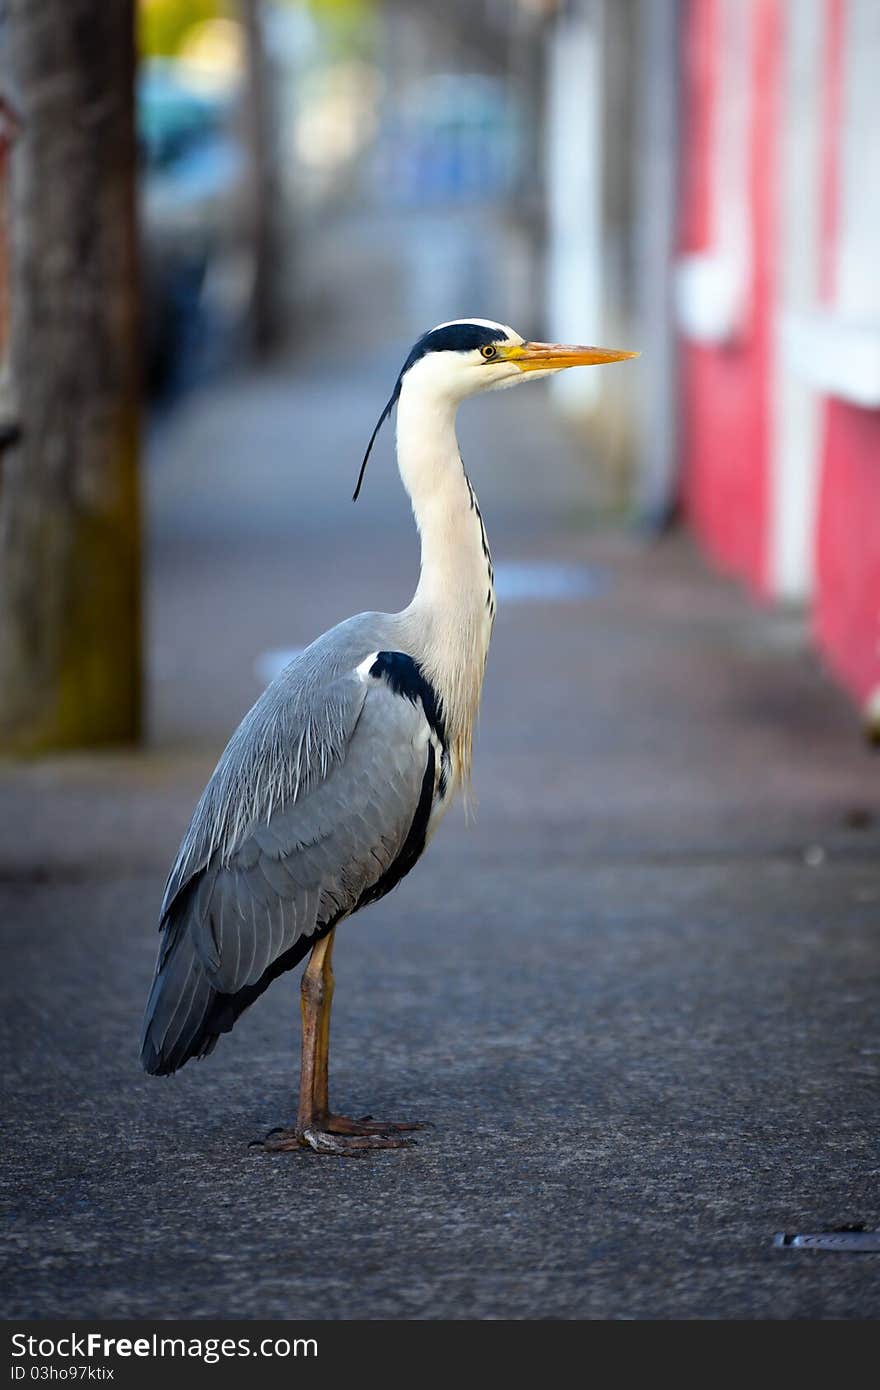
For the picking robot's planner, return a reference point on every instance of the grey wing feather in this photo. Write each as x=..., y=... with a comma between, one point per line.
x=290, y=740
x=273, y=856
x=362, y=813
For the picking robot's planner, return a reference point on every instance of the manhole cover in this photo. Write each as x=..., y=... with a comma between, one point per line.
x=855, y=1240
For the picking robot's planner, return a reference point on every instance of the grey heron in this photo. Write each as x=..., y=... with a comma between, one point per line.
x=334, y=782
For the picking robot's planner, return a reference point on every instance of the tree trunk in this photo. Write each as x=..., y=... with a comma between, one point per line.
x=263, y=193
x=69, y=507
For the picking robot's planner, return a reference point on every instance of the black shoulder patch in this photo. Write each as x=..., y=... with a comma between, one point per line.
x=414, y=843
x=406, y=677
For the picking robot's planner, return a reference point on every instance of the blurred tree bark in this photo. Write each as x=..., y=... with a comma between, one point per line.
x=262, y=200
x=69, y=509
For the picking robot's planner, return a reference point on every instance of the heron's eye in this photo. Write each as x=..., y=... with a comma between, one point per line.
x=489, y=351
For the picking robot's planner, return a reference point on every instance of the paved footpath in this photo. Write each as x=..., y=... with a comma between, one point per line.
x=637, y=996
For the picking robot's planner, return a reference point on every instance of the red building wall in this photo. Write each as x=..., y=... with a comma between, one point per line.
x=847, y=604
x=728, y=385
x=726, y=426
x=847, y=608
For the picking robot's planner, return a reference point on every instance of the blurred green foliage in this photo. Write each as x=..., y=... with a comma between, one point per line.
x=346, y=25
x=345, y=13
x=163, y=24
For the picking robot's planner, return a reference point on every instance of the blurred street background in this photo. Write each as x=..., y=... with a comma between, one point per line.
x=638, y=995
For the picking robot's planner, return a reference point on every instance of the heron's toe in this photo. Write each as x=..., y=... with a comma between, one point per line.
x=368, y=1124
x=353, y=1145
x=278, y=1140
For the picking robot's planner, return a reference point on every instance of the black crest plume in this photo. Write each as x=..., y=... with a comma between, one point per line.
x=379, y=423
x=460, y=336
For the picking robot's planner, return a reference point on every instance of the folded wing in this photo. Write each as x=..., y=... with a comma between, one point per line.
x=319, y=804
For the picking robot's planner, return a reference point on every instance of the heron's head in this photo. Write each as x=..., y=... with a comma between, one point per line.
x=458, y=359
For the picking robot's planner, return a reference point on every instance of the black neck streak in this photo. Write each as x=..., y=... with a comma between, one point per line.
x=484, y=542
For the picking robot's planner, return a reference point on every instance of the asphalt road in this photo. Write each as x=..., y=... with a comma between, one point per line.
x=636, y=996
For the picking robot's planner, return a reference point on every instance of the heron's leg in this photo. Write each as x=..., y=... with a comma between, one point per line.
x=316, y=1127
x=321, y=989
x=316, y=1000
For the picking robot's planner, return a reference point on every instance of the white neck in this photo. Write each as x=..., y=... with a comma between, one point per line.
x=451, y=614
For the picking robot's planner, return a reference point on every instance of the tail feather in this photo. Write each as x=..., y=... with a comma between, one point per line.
x=178, y=1009
x=185, y=1015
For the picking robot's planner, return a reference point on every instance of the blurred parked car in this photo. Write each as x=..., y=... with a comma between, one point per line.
x=197, y=269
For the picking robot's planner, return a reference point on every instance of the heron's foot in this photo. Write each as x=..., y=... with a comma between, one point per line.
x=353, y=1143
x=339, y=1135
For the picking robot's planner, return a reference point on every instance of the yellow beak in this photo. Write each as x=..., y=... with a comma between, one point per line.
x=542, y=357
